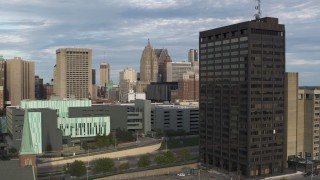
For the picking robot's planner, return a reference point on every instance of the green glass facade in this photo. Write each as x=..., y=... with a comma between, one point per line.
x=71, y=126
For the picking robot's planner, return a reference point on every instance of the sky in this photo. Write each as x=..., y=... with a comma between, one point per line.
x=118, y=30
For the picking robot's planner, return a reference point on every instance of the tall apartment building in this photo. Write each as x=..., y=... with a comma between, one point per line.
x=104, y=74
x=20, y=81
x=72, y=74
x=242, y=72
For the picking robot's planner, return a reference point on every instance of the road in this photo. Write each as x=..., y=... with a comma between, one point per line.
x=132, y=160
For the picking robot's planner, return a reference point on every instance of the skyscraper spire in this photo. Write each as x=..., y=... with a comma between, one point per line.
x=149, y=42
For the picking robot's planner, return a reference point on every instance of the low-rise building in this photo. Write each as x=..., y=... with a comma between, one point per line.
x=74, y=119
x=175, y=117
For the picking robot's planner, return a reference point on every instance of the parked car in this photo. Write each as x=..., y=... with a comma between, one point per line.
x=181, y=174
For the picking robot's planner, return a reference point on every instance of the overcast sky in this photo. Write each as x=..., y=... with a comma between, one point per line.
x=117, y=30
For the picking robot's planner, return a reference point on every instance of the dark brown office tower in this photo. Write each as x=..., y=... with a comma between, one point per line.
x=242, y=69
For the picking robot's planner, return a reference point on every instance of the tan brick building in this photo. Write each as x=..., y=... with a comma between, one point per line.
x=72, y=73
x=20, y=82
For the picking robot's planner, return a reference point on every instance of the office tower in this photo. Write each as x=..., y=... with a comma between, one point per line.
x=93, y=72
x=149, y=64
x=163, y=58
x=242, y=71
x=192, y=55
x=48, y=90
x=175, y=70
x=127, y=80
x=104, y=74
x=72, y=73
x=20, y=82
x=2, y=82
x=39, y=89
x=188, y=88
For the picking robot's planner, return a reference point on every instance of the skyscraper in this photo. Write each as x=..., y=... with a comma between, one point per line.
x=149, y=64
x=2, y=82
x=127, y=80
x=39, y=89
x=104, y=74
x=19, y=80
x=242, y=71
x=192, y=55
x=72, y=74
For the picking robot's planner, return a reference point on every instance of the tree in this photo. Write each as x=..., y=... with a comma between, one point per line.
x=104, y=165
x=165, y=158
x=103, y=141
x=185, y=155
x=77, y=168
x=144, y=161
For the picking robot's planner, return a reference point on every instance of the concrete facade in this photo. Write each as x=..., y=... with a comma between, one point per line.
x=51, y=136
x=309, y=119
x=291, y=115
x=20, y=82
x=104, y=74
x=175, y=70
x=72, y=73
x=175, y=117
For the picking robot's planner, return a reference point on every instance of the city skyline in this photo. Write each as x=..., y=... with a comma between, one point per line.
x=117, y=31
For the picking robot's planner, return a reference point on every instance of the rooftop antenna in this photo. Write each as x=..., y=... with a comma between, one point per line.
x=258, y=8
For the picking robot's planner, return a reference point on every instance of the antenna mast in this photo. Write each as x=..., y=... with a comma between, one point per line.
x=258, y=14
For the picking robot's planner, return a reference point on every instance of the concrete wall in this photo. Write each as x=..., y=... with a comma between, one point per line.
x=117, y=154
x=291, y=113
x=153, y=172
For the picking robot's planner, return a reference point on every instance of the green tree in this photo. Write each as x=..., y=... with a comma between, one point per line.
x=144, y=161
x=104, y=165
x=184, y=155
x=165, y=158
x=77, y=168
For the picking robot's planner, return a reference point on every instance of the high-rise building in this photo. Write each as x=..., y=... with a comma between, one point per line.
x=127, y=81
x=192, y=55
x=149, y=64
x=242, y=72
x=39, y=89
x=175, y=70
x=309, y=123
x=2, y=82
x=294, y=126
x=104, y=74
x=188, y=88
x=19, y=80
x=72, y=74
x=163, y=58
